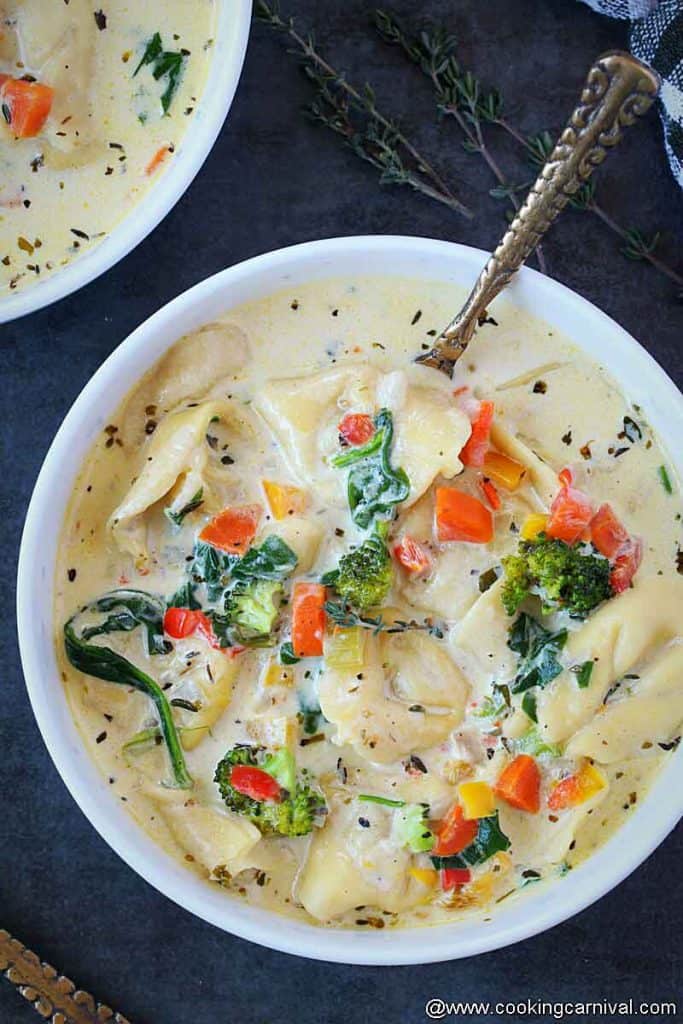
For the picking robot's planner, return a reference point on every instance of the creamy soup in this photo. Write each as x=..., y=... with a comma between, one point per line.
x=95, y=102
x=362, y=644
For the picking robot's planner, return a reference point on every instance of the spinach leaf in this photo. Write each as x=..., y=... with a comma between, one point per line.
x=538, y=649
x=272, y=560
x=212, y=567
x=130, y=609
x=583, y=673
x=165, y=63
x=184, y=597
x=287, y=655
x=373, y=486
x=529, y=705
x=489, y=839
x=103, y=663
x=194, y=503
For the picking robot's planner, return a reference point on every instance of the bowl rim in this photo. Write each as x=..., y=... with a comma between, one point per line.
x=219, y=90
x=618, y=857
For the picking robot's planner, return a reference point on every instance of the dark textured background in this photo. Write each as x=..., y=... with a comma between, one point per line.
x=272, y=180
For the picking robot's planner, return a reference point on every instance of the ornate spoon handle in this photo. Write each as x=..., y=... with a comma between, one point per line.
x=618, y=90
x=53, y=996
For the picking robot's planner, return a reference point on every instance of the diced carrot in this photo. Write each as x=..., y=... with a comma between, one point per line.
x=157, y=160
x=308, y=619
x=626, y=565
x=233, y=529
x=570, y=512
x=505, y=471
x=455, y=833
x=566, y=477
x=453, y=878
x=478, y=442
x=607, y=533
x=577, y=788
x=520, y=784
x=28, y=105
x=459, y=516
x=490, y=493
x=356, y=428
x=413, y=556
x=284, y=499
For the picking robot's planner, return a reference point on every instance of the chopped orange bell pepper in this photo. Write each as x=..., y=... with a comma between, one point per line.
x=308, y=619
x=233, y=529
x=459, y=516
x=506, y=472
x=520, y=784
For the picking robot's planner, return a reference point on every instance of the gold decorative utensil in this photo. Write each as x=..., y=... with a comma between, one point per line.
x=52, y=996
x=618, y=90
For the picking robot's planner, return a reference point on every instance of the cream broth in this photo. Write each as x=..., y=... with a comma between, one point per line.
x=110, y=132
x=411, y=717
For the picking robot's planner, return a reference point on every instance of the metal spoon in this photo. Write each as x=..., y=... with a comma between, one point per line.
x=51, y=995
x=618, y=90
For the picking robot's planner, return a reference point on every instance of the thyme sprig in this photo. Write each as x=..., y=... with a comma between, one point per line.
x=460, y=94
x=636, y=245
x=353, y=113
x=345, y=616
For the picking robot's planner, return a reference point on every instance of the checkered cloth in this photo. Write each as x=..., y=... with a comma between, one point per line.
x=656, y=37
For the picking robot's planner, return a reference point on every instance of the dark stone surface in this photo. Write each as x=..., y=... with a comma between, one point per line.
x=274, y=179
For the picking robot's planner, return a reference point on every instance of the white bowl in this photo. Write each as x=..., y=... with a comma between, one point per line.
x=230, y=44
x=543, y=907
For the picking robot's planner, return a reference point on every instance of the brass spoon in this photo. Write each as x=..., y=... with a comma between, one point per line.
x=52, y=996
x=618, y=90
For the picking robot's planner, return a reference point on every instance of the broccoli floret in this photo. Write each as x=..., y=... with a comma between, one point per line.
x=566, y=577
x=366, y=574
x=297, y=810
x=252, y=607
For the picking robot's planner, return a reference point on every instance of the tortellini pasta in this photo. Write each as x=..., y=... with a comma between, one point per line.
x=409, y=695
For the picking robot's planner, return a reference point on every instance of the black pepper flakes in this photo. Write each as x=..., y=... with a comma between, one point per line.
x=364, y=823
x=540, y=387
x=100, y=20
x=71, y=575
x=101, y=738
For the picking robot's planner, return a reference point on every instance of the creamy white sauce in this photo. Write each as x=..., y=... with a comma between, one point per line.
x=367, y=325
x=64, y=190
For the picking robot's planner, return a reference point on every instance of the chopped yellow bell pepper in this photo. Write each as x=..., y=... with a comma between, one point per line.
x=277, y=675
x=503, y=470
x=284, y=498
x=477, y=799
x=533, y=525
x=425, y=876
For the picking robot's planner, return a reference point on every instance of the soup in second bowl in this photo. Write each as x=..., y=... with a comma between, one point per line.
x=95, y=102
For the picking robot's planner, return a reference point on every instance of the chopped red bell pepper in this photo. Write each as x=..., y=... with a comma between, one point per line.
x=607, y=533
x=455, y=833
x=356, y=428
x=478, y=442
x=453, y=878
x=626, y=565
x=491, y=493
x=413, y=556
x=183, y=622
x=570, y=512
x=255, y=783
